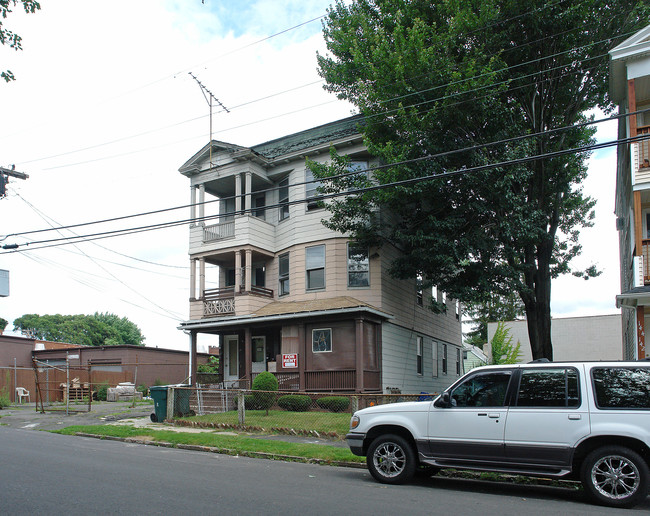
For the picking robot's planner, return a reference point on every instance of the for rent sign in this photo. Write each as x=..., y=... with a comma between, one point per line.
x=290, y=360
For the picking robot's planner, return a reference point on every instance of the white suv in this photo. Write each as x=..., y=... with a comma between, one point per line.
x=581, y=420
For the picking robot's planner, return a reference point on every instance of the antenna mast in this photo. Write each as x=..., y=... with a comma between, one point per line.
x=209, y=97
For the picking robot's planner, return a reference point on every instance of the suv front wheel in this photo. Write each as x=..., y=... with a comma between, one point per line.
x=391, y=459
x=615, y=476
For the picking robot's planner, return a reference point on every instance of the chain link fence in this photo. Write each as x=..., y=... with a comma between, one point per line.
x=301, y=413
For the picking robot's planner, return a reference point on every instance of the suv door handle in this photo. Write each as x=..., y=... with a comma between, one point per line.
x=494, y=415
x=575, y=417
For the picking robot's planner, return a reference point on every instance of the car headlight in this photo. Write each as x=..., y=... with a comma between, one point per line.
x=354, y=422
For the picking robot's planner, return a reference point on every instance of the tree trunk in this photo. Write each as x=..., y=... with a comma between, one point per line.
x=537, y=302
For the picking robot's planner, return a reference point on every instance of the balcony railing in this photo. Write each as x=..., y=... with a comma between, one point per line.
x=221, y=301
x=219, y=231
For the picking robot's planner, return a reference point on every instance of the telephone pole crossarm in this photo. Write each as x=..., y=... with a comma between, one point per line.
x=11, y=172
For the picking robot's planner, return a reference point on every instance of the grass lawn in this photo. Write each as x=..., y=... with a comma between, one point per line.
x=321, y=422
x=239, y=444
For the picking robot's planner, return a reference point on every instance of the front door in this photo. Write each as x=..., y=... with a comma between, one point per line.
x=473, y=427
x=259, y=354
x=231, y=364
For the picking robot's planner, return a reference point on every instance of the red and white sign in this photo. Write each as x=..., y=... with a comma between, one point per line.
x=290, y=360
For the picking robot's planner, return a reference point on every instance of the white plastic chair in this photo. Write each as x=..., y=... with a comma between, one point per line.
x=22, y=393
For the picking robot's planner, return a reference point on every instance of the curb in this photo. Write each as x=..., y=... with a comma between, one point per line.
x=468, y=475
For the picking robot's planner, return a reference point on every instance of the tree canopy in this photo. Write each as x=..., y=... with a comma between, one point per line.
x=100, y=329
x=8, y=37
x=470, y=99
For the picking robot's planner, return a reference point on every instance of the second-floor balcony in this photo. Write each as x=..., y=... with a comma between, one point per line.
x=221, y=301
x=243, y=230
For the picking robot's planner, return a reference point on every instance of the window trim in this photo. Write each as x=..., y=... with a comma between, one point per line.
x=285, y=277
x=419, y=363
x=434, y=359
x=323, y=267
x=283, y=202
x=351, y=245
x=331, y=346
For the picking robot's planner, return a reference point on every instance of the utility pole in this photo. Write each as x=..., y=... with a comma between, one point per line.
x=5, y=173
x=209, y=97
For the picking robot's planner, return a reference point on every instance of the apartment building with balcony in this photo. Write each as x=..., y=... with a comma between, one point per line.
x=630, y=89
x=282, y=293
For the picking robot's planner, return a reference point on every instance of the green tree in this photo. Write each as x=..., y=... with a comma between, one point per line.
x=502, y=349
x=85, y=330
x=267, y=383
x=448, y=79
x=7, y=37
x=491, y=309
x=3, y=324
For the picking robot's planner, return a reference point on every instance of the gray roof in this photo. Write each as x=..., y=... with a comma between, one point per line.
x=309, y=138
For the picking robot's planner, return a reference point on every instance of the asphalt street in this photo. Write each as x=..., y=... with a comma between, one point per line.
x=45, y=473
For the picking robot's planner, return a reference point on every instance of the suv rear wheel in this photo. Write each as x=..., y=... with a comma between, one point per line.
x=615, y=476
x=391, y=459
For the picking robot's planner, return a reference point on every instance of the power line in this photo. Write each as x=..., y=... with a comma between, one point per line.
x=546, y=133
x=128, y=231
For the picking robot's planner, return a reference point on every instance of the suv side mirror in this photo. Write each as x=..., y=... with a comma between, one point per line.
x=444, y=401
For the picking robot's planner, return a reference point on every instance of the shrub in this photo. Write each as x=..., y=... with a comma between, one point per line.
x=249, y=402
x=102, y=391
x=265, y=381
x=4, y=399
x=295, y=402
x=144, y=390
x=334, y=403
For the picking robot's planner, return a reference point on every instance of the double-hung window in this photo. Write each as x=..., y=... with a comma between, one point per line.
x=315, y=267
x=418, y=350
x=358, y=266
x=311, y=190
x=283, y=199
x=284, y=274
x=444, y=358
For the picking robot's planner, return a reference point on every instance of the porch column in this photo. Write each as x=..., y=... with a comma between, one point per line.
x=237, y=271
x=248, y=355
x=248, y=270
x=202, y=203
x=201, y=276
x=192, y=368
x=631, y=99
x=640, y=332
x=358, y=354
x=302, y=356
x=237, y=195
x=193, y=204
x=249, y=186
x=192, y=279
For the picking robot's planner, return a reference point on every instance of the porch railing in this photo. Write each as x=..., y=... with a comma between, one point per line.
x=646, y=262
x=644, y=149
x=219, y=231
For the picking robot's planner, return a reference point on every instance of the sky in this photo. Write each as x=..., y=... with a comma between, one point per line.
x=104, y=112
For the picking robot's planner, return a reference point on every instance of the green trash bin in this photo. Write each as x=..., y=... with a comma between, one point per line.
x=159, y=395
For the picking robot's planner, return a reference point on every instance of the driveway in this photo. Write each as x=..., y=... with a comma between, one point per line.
x=25, y=416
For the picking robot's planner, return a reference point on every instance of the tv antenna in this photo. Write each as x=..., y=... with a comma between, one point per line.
x=209, y=98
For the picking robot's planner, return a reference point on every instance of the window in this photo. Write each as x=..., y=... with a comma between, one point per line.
x=548, y=388
x=259, y=276
x=444, y=358
x=482, y=390
x=458, y=361
x=321, y=340
x=311, y=190
x=358, y=266
x=457, y=306
x=418, y=290
x=622, y=388
x=315, y=266
x=354, y=180
x=434, y=359
x=228, y=209
x=260, y=203
x=283, y=288
x=230, y=277
x=418, y=351
x=284, y=199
